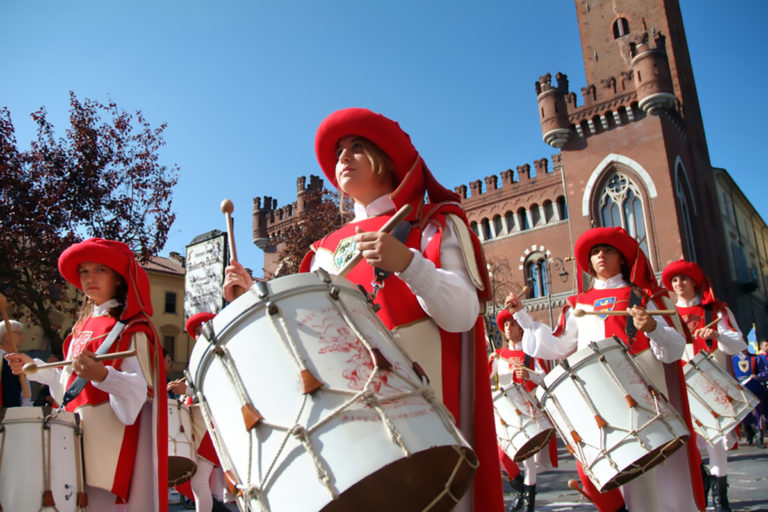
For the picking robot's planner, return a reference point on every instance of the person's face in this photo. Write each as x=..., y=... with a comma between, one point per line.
x=99, y=282
x=764, y=346
x=605, y=260
x=354, y=172
x=18, y=336
x=683, y=286
x=513, y=331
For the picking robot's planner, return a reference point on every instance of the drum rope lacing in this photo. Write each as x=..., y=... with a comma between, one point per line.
x=302, y=433
x=660, y=413
x=45, y=428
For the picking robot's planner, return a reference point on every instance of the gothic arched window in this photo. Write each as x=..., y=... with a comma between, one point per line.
x=536, y=274
x=621, y=204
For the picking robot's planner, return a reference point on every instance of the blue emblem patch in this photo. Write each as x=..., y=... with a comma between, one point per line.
x=604, y=304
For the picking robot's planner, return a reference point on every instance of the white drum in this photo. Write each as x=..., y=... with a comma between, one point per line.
x=312, y=406
x=181, y=444
x=41, y=461
x=718, y=402
x=522, y=428
x=614, y=422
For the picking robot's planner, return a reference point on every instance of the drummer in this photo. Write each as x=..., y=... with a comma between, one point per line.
x=623, y=276
x=11, y=395
x=434, y=272
x=199, y=486
x=699, y=307
x=122, y=416
x=510, y=364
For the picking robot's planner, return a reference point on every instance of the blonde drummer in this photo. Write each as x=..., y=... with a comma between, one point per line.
x=714, y=330
x=624, y=280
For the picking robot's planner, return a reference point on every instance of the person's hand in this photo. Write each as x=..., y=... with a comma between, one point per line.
x=85, y=366
x=521, y=373
x=706, y=334
x=17, y=361
x=179, y=386
x=383, y=250
x=235, y=275
x=513, y=303
x=642, y=320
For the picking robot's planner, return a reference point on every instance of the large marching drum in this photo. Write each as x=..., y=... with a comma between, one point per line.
x=312, y=405
x=522, y=428
x=718, y=402
x=613, y=420
x=41, y=460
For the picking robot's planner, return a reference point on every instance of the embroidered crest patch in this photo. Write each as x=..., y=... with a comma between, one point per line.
x=744, y=365
x=344, y=252
x=604, y=304
x=692, y=321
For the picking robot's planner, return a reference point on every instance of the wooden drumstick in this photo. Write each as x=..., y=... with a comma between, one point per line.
x=713, y=322
x=12, y=341
x=525, y=290
x=31, y=368
x=656, y=312
x=401, y=214
x=573, y=484
x=227, y=208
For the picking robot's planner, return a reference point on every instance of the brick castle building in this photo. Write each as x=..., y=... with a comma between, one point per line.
x=632, y=153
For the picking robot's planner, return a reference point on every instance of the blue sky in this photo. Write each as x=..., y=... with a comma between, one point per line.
x=244, y=84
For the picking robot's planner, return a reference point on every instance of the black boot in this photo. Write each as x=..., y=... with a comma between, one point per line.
x=750, y=432
x=529, y=492
x=720, y=494
x=706, y=479
x=517, y=500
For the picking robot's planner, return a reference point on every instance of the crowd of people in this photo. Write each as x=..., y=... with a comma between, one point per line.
x=429, y=271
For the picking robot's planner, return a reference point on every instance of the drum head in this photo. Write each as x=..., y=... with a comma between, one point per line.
x=644, y=463
x=534, y=445
x=412, y=483
x=180, y=469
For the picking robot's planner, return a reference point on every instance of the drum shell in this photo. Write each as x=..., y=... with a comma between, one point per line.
x=22, y=474
x=181, y=446
x=718, y=402
x=610, y=456
x=522, y=428
x=353, y=445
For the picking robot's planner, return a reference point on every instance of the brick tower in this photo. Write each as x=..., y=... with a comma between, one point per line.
x=633, y=152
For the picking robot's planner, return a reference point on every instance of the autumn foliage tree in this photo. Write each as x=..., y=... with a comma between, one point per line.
x=102, y=178
x=321, y=216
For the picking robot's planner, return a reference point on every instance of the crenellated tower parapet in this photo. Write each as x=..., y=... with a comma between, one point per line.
x=644, y=88
x=269, y=219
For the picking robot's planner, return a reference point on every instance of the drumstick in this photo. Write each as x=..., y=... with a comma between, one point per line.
x=227, y=208
x=657, y=312
x=4, y=310
x=386, y=228
x=31, y=368
x=525, y=290
x=573, y=484
x=713, y=322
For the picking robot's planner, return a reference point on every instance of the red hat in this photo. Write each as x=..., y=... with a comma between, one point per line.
x=701, y=282
x=502, y=318
x=196, y=320
x=117, y=256
x=413, y=178
x=641, y=273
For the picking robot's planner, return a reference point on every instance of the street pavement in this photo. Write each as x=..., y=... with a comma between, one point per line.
x=747, y=478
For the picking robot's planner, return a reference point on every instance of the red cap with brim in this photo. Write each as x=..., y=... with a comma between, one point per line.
x=502, y=317
x=641, y=273
x=412, y=176
x=195, y=321
x=117, y=256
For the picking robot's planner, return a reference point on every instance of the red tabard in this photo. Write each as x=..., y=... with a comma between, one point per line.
x=614, y=299
x=89, y=337
x=515, y=358
x=694, y=318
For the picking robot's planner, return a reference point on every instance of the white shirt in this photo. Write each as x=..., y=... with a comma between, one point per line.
x=666, y=343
